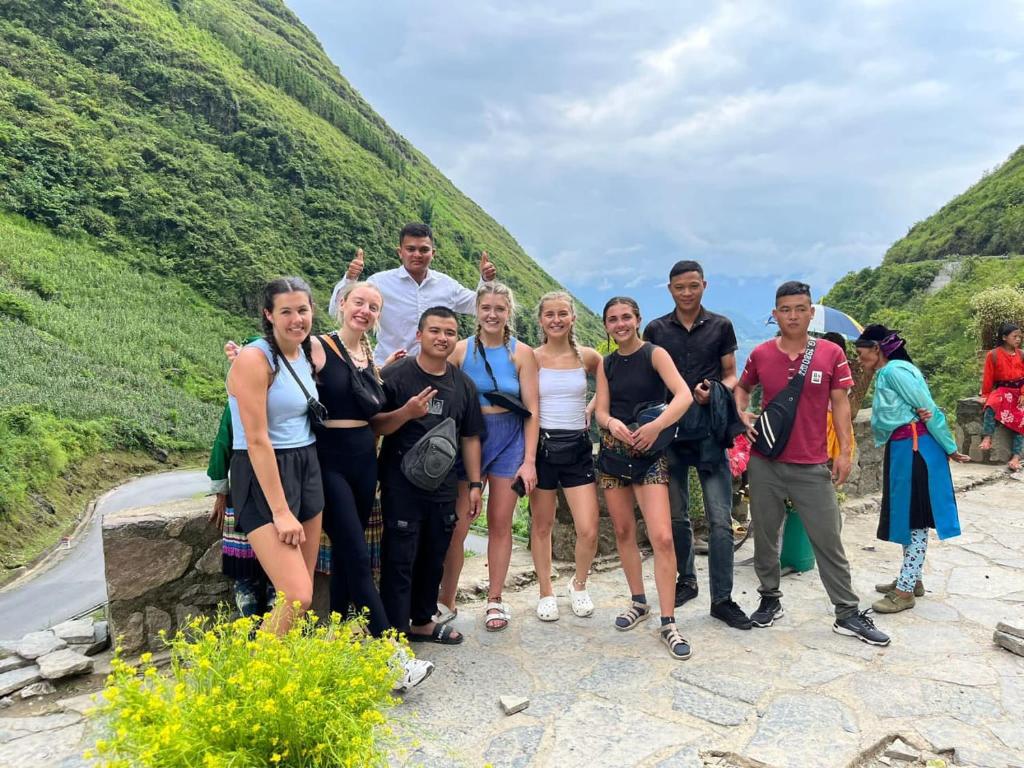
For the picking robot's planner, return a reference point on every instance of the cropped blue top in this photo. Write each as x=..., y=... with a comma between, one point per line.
x=502, y=364
x=287, y=413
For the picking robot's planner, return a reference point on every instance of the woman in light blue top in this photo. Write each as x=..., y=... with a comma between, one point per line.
x=917, y=488
x=275, y=475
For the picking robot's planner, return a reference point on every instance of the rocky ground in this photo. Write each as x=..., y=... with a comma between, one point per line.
x=793, y=696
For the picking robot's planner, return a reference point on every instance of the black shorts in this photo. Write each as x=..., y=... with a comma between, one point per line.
x=300, y=478
x=579, y=471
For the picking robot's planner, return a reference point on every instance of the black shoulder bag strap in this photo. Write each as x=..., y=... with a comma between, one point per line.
x=295, y=376
x=487, y=366
x=317, y=411
x=805, y=363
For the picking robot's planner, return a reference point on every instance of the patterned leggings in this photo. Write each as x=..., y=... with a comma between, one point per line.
x=913, y=560
x=988, y=427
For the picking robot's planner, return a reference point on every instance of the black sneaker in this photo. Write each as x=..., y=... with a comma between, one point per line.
x=767, y=612
x=685, y=592
x=731, y=614
x=862, y=627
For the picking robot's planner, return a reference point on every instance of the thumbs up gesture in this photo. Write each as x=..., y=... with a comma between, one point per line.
x=487, y=270
x=355, y=267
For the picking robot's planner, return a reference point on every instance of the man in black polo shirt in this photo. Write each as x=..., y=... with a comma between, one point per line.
x=703, y=346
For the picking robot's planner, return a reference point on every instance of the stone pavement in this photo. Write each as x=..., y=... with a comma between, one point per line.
x=795, y=695
x=792, y=696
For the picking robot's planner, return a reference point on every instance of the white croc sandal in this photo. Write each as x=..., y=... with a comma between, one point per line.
x=547, y=608
x=582, y=605
x=497, y=612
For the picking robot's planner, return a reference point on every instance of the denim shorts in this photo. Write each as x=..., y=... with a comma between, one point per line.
x=502, y=446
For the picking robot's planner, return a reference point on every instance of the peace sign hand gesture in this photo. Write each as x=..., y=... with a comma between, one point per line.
x=419, y=405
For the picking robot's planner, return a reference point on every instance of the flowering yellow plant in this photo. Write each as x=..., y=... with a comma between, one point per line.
x=238, y=696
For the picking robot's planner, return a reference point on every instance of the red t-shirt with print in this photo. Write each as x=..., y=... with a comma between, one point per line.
x=772, y=368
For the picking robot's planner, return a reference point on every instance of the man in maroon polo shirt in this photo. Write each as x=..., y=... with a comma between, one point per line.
x=801, y=473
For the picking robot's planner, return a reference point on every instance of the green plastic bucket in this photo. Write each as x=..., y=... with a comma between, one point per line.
x=796, y=547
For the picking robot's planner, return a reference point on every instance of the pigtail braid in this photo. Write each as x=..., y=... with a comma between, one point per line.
x=364, y=345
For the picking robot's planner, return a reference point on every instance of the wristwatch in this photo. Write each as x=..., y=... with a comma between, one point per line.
x=475, y=484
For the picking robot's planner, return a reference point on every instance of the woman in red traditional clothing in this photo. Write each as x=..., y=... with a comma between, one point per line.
x=1003, y=390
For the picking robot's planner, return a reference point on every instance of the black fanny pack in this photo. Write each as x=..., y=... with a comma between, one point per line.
x=562, y=448
x=631, y=468
x=776, y=420
x=427, y=464
x=507, y=400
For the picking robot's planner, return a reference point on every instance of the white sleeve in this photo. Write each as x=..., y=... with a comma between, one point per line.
x=463, y=298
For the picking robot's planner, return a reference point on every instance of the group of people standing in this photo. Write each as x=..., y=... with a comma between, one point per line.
x=306, y=412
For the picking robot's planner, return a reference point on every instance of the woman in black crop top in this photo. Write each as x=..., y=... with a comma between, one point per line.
x=348, y=385
x=634, y=374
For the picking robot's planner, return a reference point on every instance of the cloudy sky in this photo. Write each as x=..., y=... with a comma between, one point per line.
x=767, y=140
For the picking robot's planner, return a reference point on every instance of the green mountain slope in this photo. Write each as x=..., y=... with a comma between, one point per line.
x=927, y=279
x=986, y=220
x=172, y=155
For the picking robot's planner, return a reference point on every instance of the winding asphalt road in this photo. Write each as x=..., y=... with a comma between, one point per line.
x=75, y=583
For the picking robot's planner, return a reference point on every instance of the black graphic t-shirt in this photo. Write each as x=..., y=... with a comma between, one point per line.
x=456, y=397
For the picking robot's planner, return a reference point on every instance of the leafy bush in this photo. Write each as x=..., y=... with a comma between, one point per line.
x=994, y=306
x=15, y=307
x=237, y=696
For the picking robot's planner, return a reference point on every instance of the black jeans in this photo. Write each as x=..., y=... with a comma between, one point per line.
x=417, y=530
x=348, y=463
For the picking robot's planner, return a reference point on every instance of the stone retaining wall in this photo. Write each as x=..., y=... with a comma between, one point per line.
x=968, y=433
x=865, y=479
x=162, y=566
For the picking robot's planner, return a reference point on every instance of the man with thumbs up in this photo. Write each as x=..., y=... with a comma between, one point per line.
x=410, y=289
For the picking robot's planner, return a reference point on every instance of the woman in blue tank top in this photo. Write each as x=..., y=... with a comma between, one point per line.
x=274, y=469
x=509, y=445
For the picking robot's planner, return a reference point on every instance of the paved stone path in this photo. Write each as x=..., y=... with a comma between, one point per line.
x=793, y=696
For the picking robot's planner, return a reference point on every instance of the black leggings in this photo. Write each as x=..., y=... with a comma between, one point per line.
x=348, y=463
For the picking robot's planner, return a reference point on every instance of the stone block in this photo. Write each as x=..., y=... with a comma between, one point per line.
x=63, y=663
x=210, y=562
x=1016, y=630
x=75, y=631
x=36, y=644
x=17, y=679
x=136, y=565
x=9, y=663
x=513, y=704
x=156, y=621
x=43, y=688
x=900, y=750
x=1010, y=642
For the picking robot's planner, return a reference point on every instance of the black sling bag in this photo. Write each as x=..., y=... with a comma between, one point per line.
x=776, y=420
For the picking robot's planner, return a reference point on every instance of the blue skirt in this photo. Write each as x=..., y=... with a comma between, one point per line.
x=917, y=491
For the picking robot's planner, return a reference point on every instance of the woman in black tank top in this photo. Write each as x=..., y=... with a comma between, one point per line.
x=634, y=374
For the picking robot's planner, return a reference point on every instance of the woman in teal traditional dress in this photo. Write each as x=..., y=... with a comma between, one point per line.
x=917, y=488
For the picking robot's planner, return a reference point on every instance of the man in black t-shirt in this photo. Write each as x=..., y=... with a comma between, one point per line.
x=421, y=392
x=702, y=344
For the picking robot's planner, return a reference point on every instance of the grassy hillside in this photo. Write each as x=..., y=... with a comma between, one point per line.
x=159, y=160
x=986, y=220
x=938, y=326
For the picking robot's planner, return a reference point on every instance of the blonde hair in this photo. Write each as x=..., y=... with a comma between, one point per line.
x=493, y=287
x=560, y=296
x=364, y=343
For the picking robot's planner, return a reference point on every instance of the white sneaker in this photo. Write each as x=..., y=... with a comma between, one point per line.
x=414, y=671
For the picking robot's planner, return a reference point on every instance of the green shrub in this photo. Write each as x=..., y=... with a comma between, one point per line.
x=240, y=697
x=994, y=306
x=15, y=307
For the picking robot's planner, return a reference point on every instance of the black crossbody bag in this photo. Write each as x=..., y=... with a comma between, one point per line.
x=317, y=410
x=505, y=400
x=776, y=420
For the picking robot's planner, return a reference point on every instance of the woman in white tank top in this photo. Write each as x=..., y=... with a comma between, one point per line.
x=565, y=452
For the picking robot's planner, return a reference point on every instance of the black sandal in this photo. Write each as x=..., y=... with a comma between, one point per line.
x=442, y=635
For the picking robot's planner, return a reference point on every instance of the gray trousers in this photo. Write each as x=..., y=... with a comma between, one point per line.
x=809, y=487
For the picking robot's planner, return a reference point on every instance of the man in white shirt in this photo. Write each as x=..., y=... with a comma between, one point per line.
x=410, y=289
